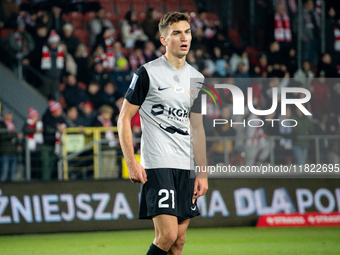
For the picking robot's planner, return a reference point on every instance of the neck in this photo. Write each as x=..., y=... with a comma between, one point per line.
x=176, y=62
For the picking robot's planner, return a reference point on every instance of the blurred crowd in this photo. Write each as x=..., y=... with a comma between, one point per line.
x=86, y=55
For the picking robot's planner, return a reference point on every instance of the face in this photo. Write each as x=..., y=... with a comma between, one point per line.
x=54, y=45
x=87, y=110
x=93, y=89
x=42, y=32
x=106, y=115
x=178, y=39
x=72, y=113
x=67, y=32
x=109, y=88
x=71, y=80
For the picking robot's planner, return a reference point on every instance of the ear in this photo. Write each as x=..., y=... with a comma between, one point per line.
x=163, y=41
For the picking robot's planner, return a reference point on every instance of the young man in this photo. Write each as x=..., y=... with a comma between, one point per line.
x=160, y=90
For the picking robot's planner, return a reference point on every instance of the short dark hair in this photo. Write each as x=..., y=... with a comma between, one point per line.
x=171, y=17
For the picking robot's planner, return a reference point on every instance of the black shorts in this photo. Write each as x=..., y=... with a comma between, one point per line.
x=168, y=191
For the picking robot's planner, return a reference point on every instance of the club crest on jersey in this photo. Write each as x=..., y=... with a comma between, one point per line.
x=178, y=89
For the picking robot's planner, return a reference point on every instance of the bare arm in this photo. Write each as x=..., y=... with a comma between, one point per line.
x=199, y=147
x=136, y=171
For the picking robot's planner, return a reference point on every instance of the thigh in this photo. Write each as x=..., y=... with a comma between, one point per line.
x=183, y=226
x=165, y=224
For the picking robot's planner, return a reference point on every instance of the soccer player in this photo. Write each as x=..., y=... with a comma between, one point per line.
x=160, y=90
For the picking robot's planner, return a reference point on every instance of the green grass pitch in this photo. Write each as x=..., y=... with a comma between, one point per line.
x=236, y=241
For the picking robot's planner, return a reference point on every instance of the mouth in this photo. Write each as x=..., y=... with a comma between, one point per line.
x=184, y=47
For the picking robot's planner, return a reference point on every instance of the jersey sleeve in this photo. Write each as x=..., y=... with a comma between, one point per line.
x=196, y=106
x=139, y=87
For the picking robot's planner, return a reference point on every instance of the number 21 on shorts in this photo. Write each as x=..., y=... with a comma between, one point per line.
x=164, y=193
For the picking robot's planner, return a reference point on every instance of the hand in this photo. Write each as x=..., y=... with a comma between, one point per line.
x=137, y=173
x=200, y=187
x=60, y=127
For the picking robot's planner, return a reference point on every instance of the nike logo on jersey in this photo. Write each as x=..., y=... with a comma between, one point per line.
x=193, y=208
x=159, y=88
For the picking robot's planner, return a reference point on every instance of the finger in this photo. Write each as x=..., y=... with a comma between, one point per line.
x=141, y=178
x=194, y=197
x=144, y=175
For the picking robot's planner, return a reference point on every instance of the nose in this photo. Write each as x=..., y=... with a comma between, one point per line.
x=184, y=37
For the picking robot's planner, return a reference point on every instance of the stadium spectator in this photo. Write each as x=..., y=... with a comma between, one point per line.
x=327, y=65
x=103, y=119
x=40, y=38
x=131, y=30
x=86, y=114
x=20, y=43
x=73, y=94
x=73, y=115
x=291, y=62
x=279, y=28
x=94, y=94
x=53, y=125
x=239, y=56
x=136, y=59
x=99, y=74
x=149, y=51
x=52, y=66
x=198, y=40
x=276, y=64
x=290, y=6
x=32, y=130
x=242, y=77
x=304, y=127
x=105, y=42
x=221, y=63
x=260, y=67
x=55, y=19
x=150, y=26
x=112, y=97
x=310, y=33
x=305, y=75
x=96, y=25
x=69, y=40
x=332, y=33
x=9, y=146
x=70, y=63
x=82, y=61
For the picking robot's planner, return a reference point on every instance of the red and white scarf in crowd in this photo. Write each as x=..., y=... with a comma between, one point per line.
x=318, y=7
x=36, y=138
x=109, y=52
x=46, y=61
x=282, y=30
x=10, y=125
x=58, y=139
x=135, y=61
x=336, y=38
